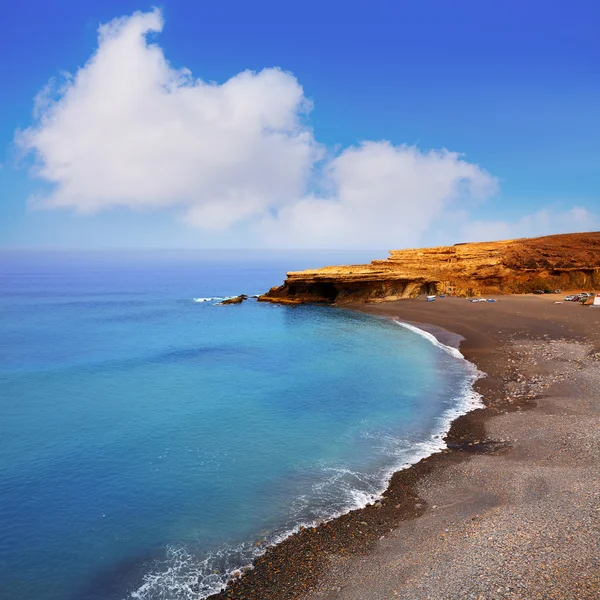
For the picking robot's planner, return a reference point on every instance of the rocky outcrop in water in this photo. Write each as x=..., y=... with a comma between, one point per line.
x=566, y=261
x=235, y=300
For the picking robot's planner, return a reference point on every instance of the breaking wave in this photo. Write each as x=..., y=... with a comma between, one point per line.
x=184, y=576
x=431, y=338
x=216, y=299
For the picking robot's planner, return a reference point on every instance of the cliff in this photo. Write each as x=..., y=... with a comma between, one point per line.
x=566, y=261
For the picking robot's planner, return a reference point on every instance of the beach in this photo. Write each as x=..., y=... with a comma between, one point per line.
x=510, y=509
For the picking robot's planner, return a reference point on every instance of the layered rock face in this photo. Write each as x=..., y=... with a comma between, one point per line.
x=566, y=261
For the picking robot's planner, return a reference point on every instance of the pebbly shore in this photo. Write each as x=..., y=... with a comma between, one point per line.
x=509, y=510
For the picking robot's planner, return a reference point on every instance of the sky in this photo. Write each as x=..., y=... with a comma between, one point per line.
x=191, y=124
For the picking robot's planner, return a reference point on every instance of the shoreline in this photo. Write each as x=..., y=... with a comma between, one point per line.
x=317, y=562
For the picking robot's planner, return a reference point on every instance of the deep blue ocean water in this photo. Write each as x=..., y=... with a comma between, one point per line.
x=148, y=441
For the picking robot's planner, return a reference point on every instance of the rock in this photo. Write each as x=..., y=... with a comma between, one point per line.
x=235, y=300
x=511, y=266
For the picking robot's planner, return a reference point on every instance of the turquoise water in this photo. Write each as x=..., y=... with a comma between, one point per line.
x=149, y=440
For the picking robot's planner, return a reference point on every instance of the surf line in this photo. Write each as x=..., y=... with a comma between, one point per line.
x=455, y=352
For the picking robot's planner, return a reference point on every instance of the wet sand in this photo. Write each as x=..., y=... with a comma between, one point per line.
x=510, y=510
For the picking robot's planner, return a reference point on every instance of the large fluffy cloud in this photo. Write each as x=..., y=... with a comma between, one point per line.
x=128, y=129
x=379, y=194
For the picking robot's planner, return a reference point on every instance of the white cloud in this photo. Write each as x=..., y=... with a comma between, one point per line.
x=542, y=222
x=381, y=195
x=128, y=129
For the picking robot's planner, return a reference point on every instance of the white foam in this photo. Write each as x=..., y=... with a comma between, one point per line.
x=185, y=577
x=206, y=299
x=466, y=400
x=215, y=299
x=430, y=337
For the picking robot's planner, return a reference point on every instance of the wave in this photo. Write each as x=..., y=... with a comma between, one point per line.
x=186, y=576
x=431, y=338
x=201, y=300
x=217, y=298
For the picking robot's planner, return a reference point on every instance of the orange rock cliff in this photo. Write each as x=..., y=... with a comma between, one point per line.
x=566, y=261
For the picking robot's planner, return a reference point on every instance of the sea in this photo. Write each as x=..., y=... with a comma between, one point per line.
x=152, y=442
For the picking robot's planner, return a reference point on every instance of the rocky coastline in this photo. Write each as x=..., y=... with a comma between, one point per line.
x=565, y=261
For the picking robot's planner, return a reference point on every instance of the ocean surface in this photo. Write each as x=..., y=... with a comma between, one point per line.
x=150, y=439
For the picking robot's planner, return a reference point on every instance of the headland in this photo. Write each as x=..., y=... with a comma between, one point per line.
x=564, y=261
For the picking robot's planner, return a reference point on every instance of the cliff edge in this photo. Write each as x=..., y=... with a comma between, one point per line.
x=566, y=261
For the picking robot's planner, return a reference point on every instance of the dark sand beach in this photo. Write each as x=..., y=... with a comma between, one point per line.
x=510, y=510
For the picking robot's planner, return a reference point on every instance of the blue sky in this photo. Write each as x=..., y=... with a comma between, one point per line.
x=511, y=86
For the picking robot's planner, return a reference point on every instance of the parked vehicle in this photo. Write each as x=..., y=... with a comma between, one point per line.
x=569, y=298
x=538, y=291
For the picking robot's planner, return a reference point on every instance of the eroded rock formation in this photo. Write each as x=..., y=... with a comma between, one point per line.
x=565, y=261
